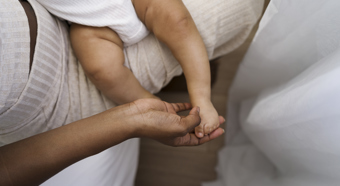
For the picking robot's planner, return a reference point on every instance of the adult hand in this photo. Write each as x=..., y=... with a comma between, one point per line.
x=159, y=120
x=143, y=118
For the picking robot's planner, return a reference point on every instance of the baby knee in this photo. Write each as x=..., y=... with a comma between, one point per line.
x=104, y=74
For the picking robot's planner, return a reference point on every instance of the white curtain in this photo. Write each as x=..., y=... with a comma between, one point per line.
x=283, y=125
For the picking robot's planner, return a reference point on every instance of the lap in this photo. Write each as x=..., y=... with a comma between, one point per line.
x=115, y=166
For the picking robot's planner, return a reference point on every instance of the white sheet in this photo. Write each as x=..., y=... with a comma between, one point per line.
x=284, y=107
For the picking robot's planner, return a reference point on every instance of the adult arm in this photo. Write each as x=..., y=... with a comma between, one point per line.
x=33, y=160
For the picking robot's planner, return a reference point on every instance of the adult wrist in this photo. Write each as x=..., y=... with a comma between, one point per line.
x=130, y=118
x=117, y=124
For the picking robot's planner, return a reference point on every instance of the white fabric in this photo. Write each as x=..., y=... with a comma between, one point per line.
x=57, y=91
x=14, y=63
x=115, y=166
x=223, y=29
x=284, y=107
x=44, y=85
x=223, y=24
x=119, y=15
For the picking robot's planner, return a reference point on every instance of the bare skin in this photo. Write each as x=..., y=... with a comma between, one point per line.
x=100, y=51
x=149, y=118
x=33, y=160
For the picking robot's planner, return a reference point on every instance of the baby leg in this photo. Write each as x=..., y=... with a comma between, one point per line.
x=100, y=52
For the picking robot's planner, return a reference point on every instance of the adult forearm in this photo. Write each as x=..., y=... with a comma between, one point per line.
x=33, y=160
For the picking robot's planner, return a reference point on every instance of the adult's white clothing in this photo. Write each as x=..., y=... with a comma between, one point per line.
x=284, y=106
x=119, y=15
x=56, y=91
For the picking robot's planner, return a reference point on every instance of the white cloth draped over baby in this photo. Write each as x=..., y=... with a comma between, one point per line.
x=56, y=91
x=284, y=106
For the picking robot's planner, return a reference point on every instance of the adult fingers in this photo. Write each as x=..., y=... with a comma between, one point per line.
x=221, y=119
x=214, y=134
x=178, y=107
x=199, y=131
x=190, y=139
x=191, y=120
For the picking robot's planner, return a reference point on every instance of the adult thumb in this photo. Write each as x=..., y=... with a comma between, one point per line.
x=192, y=120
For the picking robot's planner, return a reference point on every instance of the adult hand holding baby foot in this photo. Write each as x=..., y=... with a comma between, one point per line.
x=158, y=120
x=210, y=120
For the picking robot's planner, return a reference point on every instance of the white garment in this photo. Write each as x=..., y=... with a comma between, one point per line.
x=119, y=15
x=14, y=64
x=57, y=92
x=286, y=99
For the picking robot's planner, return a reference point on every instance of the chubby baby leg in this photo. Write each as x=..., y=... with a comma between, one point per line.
x=100, y=52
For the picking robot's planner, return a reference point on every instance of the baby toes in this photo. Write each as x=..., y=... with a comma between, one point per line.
x=207, y=129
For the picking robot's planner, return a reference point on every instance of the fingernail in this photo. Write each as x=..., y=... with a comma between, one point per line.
x=198, y=109
x=223, y=120
x=223, y=131
x=200, y=134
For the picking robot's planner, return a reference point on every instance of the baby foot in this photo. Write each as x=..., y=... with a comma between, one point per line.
x=209, y=120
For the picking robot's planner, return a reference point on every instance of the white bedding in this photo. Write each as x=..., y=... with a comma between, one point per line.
x=284, y=106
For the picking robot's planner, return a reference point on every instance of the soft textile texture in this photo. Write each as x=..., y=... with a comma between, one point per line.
x=225, y=27
x=57, y=92
x=46, y=82
x=14, y=32
x=284, y=107
x=223, y=24
x=119, y=15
